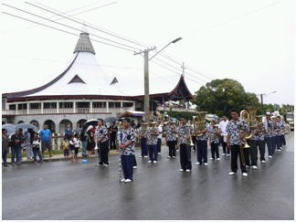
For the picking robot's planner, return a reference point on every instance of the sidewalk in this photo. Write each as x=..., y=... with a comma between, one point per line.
x=58, y=157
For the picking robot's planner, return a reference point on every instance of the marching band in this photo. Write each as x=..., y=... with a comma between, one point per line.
x=242, y=137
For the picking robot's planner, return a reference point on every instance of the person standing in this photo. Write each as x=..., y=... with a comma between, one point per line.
x=270, y=135
x=126, y=143
x=171, y=138
x=257, y=142
x=65, y=147
x=5, y=147
x=83, y=139
x=279, y=130
x=214, y=139
x=68, y=133
x=202, y=145
x=185, y=149
x=102, y=141
x=222, y=125
x=28, y=140
x=236, y=130
x=152, y=134
x=159, y=137
x=36, y=148
x=142, y=133
x=16, y=146
x=113, y=133
x=45, y=137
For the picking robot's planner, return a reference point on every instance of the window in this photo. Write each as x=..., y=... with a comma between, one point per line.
x=35, y=105
x=12, y=107
x=83, y=105
x=50, y=105
x=66, y=105
x=22, y=106
x=127, y=104
x=99, y=104
x=114, y=104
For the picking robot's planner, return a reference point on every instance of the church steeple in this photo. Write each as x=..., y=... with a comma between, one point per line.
x=84, y=44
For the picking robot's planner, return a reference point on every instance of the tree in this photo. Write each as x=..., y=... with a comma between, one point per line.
x=221, y=95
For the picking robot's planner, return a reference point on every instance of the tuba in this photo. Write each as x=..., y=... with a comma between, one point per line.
x=245, y=116
x=199, y=123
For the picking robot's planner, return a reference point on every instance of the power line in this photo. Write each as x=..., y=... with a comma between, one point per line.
x=62, y=24
x=135, y=42
x=81, y=23
x=173, y=67
x=171, y=70
x=58, y=29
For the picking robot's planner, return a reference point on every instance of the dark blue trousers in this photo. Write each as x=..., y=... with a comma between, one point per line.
x=127, y=166
x=158, y=145
x=152, y=150
x=215, y=150
x=283, y=139
x=104, y=150
x=144, y=149
x=270, y=142
x=16, y=152
x=134, y=160
x=35, y=153
x=278, y=142
x=202, y=151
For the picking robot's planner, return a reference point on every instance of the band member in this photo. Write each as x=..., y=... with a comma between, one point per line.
x=270, y=135
x=152, y=134
x=159, y=137
x=142, y=135
x=236, y=130
x=257, y=141
x=222, y=125
x=171, y=139
x=126, y=143
x=202, y=145
x=280, y=133
x=214, y=136
x=102, y=141
x=112, y=132
x=185, y=149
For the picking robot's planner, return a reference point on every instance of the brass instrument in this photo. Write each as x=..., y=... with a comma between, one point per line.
x=199, y=123
x=245, y=116
x=260, y=126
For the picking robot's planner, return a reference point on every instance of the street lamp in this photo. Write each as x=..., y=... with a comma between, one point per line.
x=174, y=41
x=146, y=73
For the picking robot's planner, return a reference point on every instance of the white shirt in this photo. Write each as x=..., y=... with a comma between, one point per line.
x=160, y=132
x=222, y=126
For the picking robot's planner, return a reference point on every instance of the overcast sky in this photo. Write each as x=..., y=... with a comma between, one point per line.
x=252, y=41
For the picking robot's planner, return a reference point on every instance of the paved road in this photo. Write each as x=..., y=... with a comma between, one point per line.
x=61, y=190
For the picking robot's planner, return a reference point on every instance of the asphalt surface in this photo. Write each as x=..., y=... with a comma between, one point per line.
x=63, y=190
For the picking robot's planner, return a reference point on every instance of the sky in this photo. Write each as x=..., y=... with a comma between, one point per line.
x=250, y=41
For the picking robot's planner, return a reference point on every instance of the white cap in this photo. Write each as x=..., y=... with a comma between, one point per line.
x=267, y=113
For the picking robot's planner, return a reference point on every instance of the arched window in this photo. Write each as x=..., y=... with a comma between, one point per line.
x=63, y=124
x=35, y=123
x=51, y=125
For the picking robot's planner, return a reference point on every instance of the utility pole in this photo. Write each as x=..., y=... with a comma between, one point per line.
x=146, y=81
x=261, y=99
x=146, y=73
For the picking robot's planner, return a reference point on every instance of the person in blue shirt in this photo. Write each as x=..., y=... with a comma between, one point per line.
x=68, y=133
x=45, y=137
